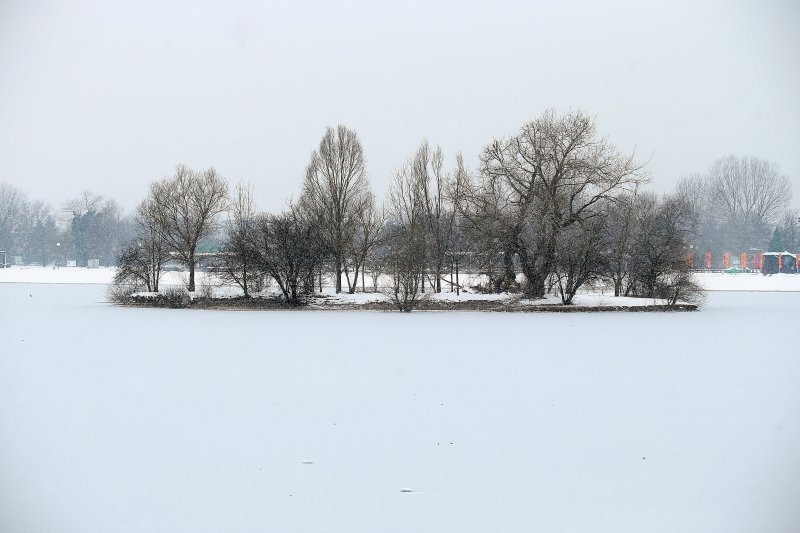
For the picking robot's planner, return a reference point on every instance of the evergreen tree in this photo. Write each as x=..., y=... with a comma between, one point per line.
x=777, y=244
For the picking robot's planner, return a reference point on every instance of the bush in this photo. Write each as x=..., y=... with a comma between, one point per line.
x=679, y=288
x=206, y=289
x=120, y=292
x=171, y=298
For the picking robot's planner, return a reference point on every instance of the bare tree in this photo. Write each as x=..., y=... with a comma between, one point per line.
x=13, y=203
x=377, y=261
x=336, y=192
x=188, y=204
x=141, y=260
x=368, y=229
x=663, y=228
x=737, y=202
x=790, y=229
x=582, y=256
x=132, y=268
x=289, y=251
x=152, y=238
x=489, y=225
x=619, y=233
x=748, y=189
x=439, y=191
x=406, y=238
x=544, y=179
x=240, y=251
x=460, y=249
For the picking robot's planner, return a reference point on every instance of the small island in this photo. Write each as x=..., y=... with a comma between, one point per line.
x=553, y=211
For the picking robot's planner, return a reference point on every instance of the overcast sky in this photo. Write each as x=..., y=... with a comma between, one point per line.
x=108, y=96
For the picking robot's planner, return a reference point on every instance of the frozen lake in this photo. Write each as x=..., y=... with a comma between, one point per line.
x=147, y=420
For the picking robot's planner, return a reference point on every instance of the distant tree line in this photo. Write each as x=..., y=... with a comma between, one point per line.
x=87, y=227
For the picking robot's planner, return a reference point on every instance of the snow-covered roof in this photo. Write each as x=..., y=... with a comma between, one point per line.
x=779, y=253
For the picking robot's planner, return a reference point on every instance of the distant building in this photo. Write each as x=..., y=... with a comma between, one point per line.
x=780, y=262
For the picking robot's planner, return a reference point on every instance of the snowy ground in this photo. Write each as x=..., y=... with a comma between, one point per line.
x=710, y=281
x=718, y=281
x=151, y=420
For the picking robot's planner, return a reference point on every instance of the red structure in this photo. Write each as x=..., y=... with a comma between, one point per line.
x=779, y=262
x=726, y=260
x=708, y=260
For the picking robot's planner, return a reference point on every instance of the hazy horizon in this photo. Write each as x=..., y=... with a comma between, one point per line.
x=107, y=98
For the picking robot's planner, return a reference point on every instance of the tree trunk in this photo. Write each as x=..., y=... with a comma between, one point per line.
x=191, y=271
x=244, y=281
x=338, y=274
x=451, y=276
x=352, y=288
x=536, y=283
x=458, y=286
x=509, y=276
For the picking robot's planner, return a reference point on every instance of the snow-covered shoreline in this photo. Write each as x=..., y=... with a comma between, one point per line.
x=711, y=281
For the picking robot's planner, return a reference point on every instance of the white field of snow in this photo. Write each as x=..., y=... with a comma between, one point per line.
x=131, y=419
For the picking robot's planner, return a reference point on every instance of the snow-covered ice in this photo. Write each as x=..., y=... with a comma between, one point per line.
x=130, y=419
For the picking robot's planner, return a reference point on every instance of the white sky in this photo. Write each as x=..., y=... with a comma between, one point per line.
x=107, y=96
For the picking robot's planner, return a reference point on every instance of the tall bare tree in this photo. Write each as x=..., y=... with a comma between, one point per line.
x=749, y=188
x=747, y=196
x=188, y=204
x=336, y=192
x=737, y=202
x=406, y=238
x=544, y=179
x=439, y=191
